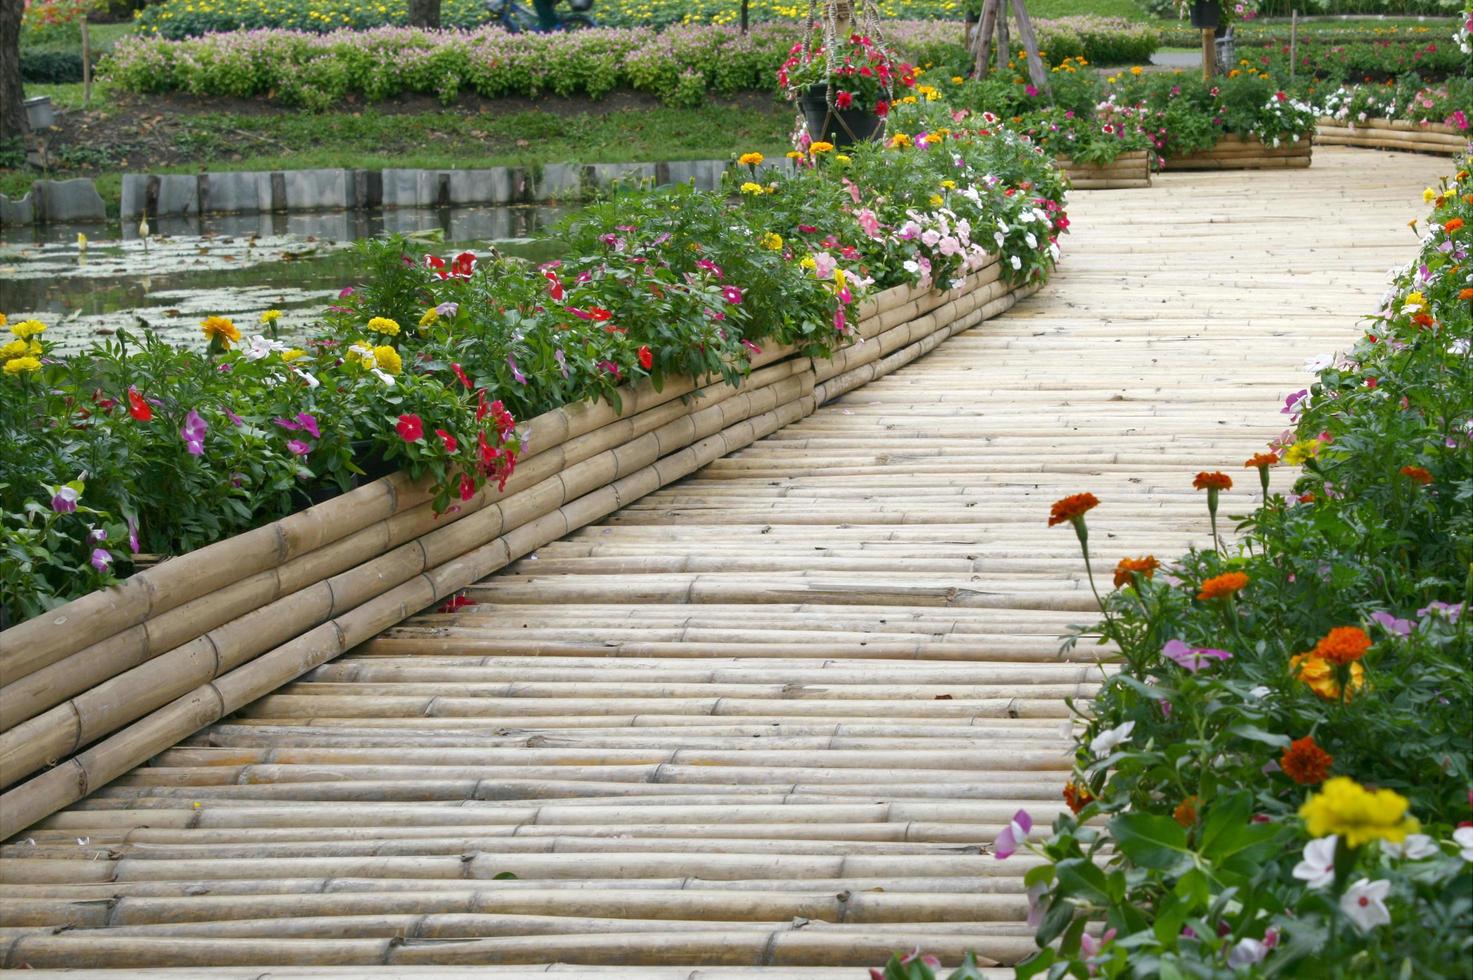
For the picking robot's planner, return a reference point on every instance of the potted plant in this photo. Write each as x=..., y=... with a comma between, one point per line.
x=844, y=91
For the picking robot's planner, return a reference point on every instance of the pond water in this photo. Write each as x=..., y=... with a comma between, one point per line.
x=236, y=266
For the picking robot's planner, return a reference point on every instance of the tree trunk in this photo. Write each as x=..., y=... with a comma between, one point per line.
x=13, y=122
x=422, y=13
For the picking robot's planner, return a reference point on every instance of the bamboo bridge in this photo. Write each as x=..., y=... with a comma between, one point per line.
x=766, y=720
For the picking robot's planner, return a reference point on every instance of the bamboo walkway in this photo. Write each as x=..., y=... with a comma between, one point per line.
x=771, y=716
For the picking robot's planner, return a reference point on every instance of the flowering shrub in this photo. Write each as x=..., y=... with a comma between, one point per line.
x=427, y=363
x=317, y=66
x=861, y=75
x=1276, y=781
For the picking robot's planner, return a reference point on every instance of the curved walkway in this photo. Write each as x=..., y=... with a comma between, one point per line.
x=771, y=715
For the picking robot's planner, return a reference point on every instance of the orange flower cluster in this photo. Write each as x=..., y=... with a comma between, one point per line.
x=1077, y=797
x=1452, y=225
x=1260, y=459
x=1319, y=675
x=1145, y=567
x=1213, y=481
x=1466, y=293
x=1186, y=812
x=1416, y=474
x=1222, y=586
x=1072, y=508
x=1424, y=320
x=1305, y=762
x=1343, y=645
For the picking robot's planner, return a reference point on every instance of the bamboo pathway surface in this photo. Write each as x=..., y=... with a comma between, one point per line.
x=770, y=718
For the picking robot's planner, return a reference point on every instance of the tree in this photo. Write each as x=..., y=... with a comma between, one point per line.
x=422, y=13
x=13, y=121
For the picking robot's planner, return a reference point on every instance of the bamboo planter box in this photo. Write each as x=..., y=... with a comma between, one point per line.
x=1127, y=170
x=1393, y=134
x=1233, y=152
x=96, y=687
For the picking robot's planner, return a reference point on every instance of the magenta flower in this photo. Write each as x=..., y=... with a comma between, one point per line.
x=1192, y=659
x=299, y=447
x=1450, y=610
x=733, y=294
x=234, y=419
x=610, y=367
x=64, y=501
x=96, y=536
x=1012, y=836
x=133, y=535
x=193, y=433
x=309, y=425
x=562, y=361
x=709, y=266
x=102, y=559
x=516, y=372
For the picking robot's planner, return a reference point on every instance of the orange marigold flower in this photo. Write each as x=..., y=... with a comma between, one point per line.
x=1452, y=224
x=1222, y=586
x=1306, y=498
x=1072, y=507
x=1466, y=293
x=1319, y=675
x=1213, y=481
x=1260, y=459
x=1424, y=320
x=1186, y=812
x=1416, y=474
x=1077, y=797
x=1146, y=567
x=1343, y=644
x=1305, y=762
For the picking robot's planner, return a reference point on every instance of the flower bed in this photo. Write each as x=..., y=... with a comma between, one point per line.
x=1276, y=782
x=1405, y=114
x=309, y=67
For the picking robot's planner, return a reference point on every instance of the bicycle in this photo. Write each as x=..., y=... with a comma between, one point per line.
x=517, y=19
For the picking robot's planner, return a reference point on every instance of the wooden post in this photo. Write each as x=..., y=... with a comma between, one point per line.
x=1293, y=42
x=1030, y=46
x=1209, y=54
x=86, y=64
x=984, y=38
x=746, y=6
x=1004, y=43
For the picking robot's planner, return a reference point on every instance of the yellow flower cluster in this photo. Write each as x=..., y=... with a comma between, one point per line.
x=772, y=241
x=382, y=324
x=22, y=355
x=1357, y=814
x=220, y=330
x=750, y=159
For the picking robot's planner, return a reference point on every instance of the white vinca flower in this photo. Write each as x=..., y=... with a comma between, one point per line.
x=1105, y=741
x=1414, y=848
x=1364, y=903
x=1463, y=837
x=1317, y=869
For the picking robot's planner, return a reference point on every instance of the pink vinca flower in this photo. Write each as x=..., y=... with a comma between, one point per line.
x=1012, y=836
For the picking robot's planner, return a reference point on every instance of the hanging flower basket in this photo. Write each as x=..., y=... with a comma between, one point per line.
x=841, y=127
x=1206, y=14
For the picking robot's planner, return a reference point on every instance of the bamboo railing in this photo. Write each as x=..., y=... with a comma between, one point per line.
x=1126, y=171
x=95, y=687
x=1232, y=152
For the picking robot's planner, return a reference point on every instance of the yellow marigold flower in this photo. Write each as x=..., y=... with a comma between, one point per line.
x=28, y=328
x=1428, y=195
x=808, y=262
x=22, y=365
x=220, y=328
x=750, y=159
x=388, y=360
x=382, y=324
x=1357, y=814
x=1137, y=70
x=293, y=354
x=936, y=201
x=794, y=155
x=4, y=319
x=431, y=315
x=16, y=348
x=772, y=241
x=949, y=184
x=957, y=79
x=753, y=189
x=1318, y=675
x=1304, y=449
x=841, y=158
x=270, y=316
x=821, y=146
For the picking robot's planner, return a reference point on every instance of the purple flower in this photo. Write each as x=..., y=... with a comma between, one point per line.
x=1450, y=610
x=516, y=372
x=299, y=447
x=65, y=500
x=1192, y=659
x=1090, y=946
x=1388, y=622
x=290, y=425
x=309, y=424
x=1292, y=401
x=234, y=419
x=447, y=309
x=96, y=536
x=102, y=559
x=133, y=535
x=193, y=433
x=1013, y=835
x=562, y=361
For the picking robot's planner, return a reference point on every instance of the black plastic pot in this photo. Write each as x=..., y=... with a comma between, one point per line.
x=1206, y=14
x=841, y=127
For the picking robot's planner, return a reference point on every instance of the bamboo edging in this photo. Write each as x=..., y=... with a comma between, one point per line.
x=1393, y=134
x=1234, y=152
x=1129, y=170
x=119, y=675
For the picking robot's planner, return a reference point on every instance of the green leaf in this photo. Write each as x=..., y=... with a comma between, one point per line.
x=1081, y=878
x=1035, y=964
x=1256, y=734
x=1151, y=840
